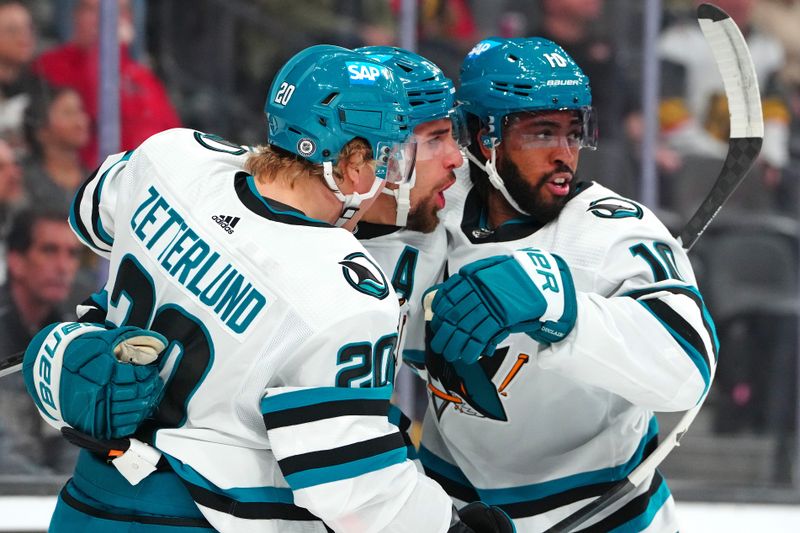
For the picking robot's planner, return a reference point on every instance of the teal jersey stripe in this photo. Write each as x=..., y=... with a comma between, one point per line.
x=318, y=476
x=435, y=463
x=395, y=415
x=703, y=309
x=641, y=522
x=548, y=488
x=101, y=232
x=696, y=357
x=251, y=184
x=306, y=397
x=244, y=495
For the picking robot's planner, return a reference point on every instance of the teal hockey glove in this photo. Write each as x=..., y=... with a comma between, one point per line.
x=103, y=382
x=528, y=292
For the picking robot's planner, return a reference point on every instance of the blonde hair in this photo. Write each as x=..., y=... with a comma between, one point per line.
x=269, y=163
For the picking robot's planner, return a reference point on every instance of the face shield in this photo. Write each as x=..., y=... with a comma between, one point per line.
x=437, y=139
x=394, y=162
x=571, y=129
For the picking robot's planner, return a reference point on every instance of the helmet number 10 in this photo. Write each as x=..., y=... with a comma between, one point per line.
x=285, y=92
x=555, y=60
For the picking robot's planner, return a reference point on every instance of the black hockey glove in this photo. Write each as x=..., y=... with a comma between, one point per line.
x=477, y=517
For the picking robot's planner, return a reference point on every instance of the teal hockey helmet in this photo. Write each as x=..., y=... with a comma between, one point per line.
x=430, y=93
x=432, y=97
x=502, y=77
x=326, y=95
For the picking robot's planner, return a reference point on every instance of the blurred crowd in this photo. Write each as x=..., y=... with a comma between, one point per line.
x=207, y=63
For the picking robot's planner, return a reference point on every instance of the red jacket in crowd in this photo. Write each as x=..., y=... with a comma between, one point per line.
x=145, y=108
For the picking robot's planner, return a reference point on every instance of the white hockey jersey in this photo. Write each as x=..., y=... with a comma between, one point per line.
x=416, y=261
x=284, y=331
x=542, y=430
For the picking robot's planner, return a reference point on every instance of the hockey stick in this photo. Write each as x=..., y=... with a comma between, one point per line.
x=11, y=364
x=747, y=131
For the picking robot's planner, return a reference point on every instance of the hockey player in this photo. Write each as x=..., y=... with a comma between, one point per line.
x=273, y=331
x=582, y=305
x=401, y=230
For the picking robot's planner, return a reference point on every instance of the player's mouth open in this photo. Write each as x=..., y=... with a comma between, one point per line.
x=440, y=201
x=559, y=184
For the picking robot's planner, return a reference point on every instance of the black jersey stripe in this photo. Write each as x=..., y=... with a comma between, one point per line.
x=634, y=508
x=569, y=496
x=79, y=224
x=322, y=411
x=96, y=224
x=453, y=488
x=271, y=209
x=172, y=521
x=680, y=326
x=698, y=301
x=341, y=455
x=248, y=510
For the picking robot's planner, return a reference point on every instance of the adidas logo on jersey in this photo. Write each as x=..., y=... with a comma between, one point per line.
x=226, y=222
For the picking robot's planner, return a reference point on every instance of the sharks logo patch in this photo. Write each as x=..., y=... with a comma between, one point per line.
x=615, y=207
x=471, y=389
x=364, y=275
x=218, y=144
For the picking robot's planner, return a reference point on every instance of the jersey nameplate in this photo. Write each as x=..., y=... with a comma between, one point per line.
x=194, y=264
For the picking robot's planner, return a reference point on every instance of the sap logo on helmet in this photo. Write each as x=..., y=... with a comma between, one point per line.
x=481, y=47
x=551, y=83
x=366, y=73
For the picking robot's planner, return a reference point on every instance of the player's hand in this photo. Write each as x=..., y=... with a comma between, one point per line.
x=478, y=517
x=108, y=382
x=530, y=291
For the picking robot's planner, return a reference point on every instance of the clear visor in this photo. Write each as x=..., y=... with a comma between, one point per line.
x=572, y=129
x=394, y=162
x=439, y=138
x=460, y=131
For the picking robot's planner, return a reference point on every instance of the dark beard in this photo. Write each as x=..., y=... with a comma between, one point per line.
x=424, y=218
x=529, y=197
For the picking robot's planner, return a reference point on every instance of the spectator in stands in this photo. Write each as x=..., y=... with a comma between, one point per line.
x=56, y=129
x=145, y=107
x=17, y=47
x=575, y=25
x=781, y=19
x=12, y=195
x=41, y=264
x=694, y=110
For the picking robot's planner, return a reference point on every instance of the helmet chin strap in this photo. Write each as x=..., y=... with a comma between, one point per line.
x=402, y=197
x=494, y=178
x=350, y=202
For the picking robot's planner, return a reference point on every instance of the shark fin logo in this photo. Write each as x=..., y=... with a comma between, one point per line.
x=615, y=207
x=364, y=275
x=218, y=144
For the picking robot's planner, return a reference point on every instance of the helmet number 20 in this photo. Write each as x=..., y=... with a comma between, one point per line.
x=285, y=92
x=555, y=60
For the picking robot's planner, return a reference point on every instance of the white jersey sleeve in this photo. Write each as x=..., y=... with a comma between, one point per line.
x=342, y=457
x=93, y=220
x=642, y=331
